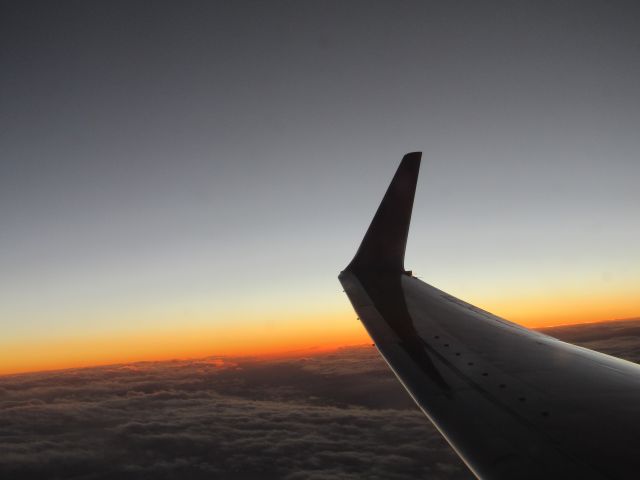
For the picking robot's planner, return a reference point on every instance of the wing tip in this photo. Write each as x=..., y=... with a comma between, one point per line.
x=383, y=246
x=412, y=157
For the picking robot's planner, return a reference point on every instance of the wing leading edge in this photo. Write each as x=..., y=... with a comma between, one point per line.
x=513, y=403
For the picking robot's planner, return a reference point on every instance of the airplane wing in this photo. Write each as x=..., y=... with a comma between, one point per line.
x=513, y=403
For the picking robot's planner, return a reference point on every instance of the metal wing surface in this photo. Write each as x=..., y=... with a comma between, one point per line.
x=513, y=403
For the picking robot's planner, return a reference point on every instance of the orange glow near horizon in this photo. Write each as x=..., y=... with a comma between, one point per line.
x=271, y=338
x=564, y=308
x=294, y=335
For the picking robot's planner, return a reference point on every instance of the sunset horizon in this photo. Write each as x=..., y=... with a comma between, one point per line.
x=73, y=353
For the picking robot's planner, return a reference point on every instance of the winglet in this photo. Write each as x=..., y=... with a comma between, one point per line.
x=383, y=246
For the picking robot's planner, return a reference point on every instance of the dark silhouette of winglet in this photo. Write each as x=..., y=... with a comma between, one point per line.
x=383, y=246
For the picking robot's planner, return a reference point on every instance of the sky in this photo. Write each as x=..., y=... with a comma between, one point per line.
x=181, y=179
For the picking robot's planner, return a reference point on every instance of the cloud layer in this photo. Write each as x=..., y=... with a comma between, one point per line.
x=340, y=415
x=328, y=416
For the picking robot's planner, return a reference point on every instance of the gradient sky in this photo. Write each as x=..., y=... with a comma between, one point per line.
x=188, y=178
